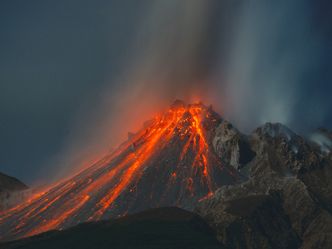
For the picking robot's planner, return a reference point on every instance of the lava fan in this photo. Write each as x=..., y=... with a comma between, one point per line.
x=169, y=162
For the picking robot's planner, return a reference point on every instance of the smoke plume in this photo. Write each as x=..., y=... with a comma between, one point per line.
x=250, y=59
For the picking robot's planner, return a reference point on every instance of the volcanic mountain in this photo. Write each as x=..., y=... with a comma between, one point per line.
x=171, y=161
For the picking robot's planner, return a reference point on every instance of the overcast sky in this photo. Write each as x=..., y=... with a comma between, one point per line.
x=57, y=57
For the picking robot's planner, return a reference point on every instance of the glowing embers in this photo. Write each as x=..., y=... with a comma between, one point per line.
x=142, y=154
x=132, y=164
x=167, y=163
x=197, y=141
x=66, y=213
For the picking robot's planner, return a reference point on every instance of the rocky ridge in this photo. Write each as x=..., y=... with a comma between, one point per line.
x=286, y=201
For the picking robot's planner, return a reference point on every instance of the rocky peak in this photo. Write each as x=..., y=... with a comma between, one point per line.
x=232, y=146
x=274, y=130
x=288, y=179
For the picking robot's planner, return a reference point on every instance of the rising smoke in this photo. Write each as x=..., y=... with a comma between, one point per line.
x=253, y=60
x=250, y=59
x=274, y=53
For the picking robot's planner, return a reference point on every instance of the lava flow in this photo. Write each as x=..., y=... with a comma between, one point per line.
x=169, y=162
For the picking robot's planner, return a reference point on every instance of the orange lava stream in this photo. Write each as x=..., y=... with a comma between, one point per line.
x=50, y=224
x=201, y=158
x=65, y=199
x=39, y=208
x=143, y=154
x=40, y=202
x=62, y=216
x=7, y=213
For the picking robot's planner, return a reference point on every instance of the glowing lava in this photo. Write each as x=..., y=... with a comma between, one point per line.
x=170, y=162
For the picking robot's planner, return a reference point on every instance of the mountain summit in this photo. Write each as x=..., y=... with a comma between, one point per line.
x=176, y=159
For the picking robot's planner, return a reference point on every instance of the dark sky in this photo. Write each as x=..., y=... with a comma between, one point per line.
x=56, y=57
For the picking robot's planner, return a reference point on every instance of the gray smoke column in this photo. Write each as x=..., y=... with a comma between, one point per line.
x=250, y=59
x=172, y=57
x=272, y=68
x=255, y=61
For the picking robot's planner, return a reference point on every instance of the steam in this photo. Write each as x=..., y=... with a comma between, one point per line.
x=249, y=59
x=275, y=51
x=253, y=60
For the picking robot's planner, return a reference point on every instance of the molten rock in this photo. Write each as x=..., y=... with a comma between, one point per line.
x=172, y=161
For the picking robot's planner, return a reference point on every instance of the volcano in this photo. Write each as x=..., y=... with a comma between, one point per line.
x=171, y=161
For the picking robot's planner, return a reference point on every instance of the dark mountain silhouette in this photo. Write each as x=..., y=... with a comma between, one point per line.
x=156, y=228
x=11, y=191
x=9, y=183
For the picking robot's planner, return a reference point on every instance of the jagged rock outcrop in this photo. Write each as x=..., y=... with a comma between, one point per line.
x=286, y=202
x=232, y=147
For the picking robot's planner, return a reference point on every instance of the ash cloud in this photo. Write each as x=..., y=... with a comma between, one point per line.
x=274, y=65
x=255, y=61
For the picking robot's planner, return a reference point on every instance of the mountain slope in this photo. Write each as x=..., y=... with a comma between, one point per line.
x=169, y=162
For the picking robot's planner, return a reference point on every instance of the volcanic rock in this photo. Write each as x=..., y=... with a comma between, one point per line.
x=286, y=202
x=232, y=147
x=171, y=161
x=270, y=189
